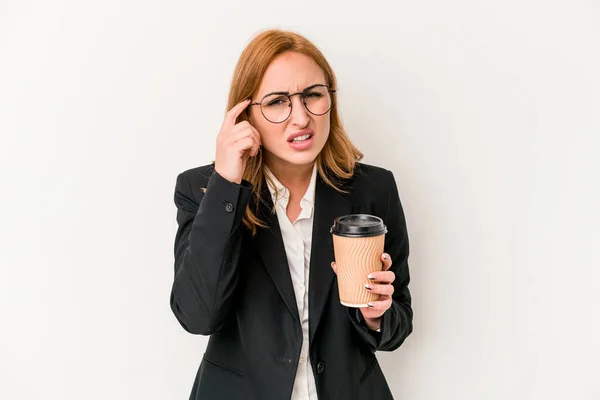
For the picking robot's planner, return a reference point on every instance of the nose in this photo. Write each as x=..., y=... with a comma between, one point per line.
x=299, y=115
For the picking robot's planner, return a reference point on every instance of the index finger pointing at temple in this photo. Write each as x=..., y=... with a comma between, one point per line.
x=235, y=112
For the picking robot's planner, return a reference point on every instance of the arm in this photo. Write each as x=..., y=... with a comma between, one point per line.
x=396, y=322
x=207, y=249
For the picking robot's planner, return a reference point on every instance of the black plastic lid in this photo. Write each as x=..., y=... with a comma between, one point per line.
x=358, y=225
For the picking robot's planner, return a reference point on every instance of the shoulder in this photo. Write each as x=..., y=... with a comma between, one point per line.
x=191, y=184
x=369, y=186
x=373, y=190
x=197, y=177
x=371, y=178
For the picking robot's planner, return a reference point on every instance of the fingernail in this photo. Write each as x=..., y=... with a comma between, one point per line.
x=368, y=287
x=371, y=277
x=385, y=256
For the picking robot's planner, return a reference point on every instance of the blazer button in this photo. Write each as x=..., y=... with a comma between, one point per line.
x=320, y=367
x=228, y=207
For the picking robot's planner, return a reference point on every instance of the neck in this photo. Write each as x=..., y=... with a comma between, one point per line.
x=295, y=178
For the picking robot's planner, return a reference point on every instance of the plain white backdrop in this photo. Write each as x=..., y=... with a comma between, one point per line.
x=488, y=113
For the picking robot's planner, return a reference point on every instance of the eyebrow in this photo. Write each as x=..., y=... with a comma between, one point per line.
x=302, y=91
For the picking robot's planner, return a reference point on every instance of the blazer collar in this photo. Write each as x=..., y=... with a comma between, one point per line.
x=329, y=204
x=269, y=245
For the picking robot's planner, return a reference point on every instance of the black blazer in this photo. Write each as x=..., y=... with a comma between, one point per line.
x=238, y=289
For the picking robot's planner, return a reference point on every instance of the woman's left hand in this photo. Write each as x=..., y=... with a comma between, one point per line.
x=384, y=287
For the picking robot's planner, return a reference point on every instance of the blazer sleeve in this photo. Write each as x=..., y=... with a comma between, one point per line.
x=396, y=323
x=207, y=251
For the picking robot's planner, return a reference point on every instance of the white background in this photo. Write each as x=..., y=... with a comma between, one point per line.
x=488, y=113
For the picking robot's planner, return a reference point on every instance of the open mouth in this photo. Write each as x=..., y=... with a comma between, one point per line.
x=299, y=139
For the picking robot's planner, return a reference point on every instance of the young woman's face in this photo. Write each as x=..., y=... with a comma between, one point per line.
x=290, y=73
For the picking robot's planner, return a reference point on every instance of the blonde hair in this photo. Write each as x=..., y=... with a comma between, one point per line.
x=337, y=159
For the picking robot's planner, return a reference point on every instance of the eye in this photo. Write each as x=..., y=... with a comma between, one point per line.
x=275, y=101
x=313, y=95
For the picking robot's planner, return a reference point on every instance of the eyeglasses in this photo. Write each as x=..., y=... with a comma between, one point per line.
x=277, y=107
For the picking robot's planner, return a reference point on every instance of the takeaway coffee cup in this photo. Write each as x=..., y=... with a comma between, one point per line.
x=358, y=241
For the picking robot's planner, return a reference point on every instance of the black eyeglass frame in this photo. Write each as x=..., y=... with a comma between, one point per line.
x=289, y=96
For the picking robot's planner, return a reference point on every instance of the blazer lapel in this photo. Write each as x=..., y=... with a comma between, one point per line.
x=269, y=244
x=329, y=204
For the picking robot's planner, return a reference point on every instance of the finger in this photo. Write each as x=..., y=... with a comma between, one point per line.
x=246, y=133
x=231, y=115
x=383, y=304
x=387, y=261
x=244, y=144
x=244, y=126
x=255, y=133
x=334, y=267
x=383, y=276
x=241, y=134
x=255, y=146
x=387, y=290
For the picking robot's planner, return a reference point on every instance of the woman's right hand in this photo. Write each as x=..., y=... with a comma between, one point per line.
x=235, y=143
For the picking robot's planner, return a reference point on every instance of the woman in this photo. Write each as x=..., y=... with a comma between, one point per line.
x=253, y=251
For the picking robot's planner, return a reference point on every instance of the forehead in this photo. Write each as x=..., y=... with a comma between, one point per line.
x=291, y=72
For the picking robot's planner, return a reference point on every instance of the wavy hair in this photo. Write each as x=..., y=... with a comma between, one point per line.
x=336, y=161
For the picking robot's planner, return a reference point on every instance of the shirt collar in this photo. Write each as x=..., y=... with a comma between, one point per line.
x=309, y=196
x=281, y=194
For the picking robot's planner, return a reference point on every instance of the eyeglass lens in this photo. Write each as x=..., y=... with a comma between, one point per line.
x=277, y=107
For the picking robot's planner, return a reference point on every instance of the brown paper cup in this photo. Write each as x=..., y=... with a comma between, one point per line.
x=355, y=259
x=358, y=242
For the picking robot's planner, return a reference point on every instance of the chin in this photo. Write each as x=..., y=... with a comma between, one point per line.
x=303, y=158
x=299, y=159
